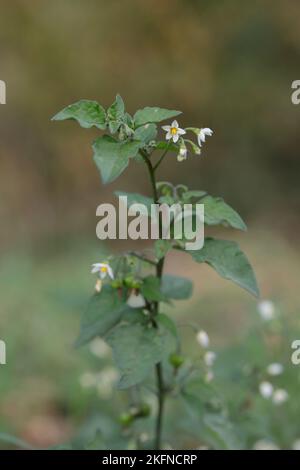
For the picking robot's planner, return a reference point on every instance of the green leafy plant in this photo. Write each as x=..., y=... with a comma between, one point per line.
x=127, y=309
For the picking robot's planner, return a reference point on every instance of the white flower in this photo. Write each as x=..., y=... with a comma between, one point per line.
x=266, y=389
x=136, y=300
x=99, y=348
x=296, y=444
x=209, y=358
x=266, y=309
x=264, y=444
x=203, y=338
x=98, y=285
x=275, y=369
x=280, y=396
x=182, y=154
x=206, y=131
x=173, y=131
x=103, y=269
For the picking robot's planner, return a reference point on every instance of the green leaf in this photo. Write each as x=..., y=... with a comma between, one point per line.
x=116, y=114
x=112, y=157
x=117, y=110
x=103, y=312
x=87, y=113
x=149, y=114
x=216, y=211
x=215, y=428
x=135, y=198
x=169, y=324
x=161, y=248
x=175, y=287
x=145, y=133
x=209, y=416
x=229, y=261
x=188, y=195
x=150, y=289
x=221, y=432
x=137, y=347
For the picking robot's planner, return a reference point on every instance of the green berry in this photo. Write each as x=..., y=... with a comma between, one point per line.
x=126, y=419
x=176, y=360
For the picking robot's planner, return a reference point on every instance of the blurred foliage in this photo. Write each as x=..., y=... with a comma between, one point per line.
x=52, y=394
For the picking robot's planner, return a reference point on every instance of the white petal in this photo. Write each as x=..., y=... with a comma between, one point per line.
x=203, y=338
x=209, y=358
x=166, y=128
x=96, y=267
x=275, y=368
x=280, y=396
x=98, y=285
x=169, y=135
x=175, y=138
x=207, y=131
x=174, y=124
x=110, y=272
x=181, y=131
x=136, y=301
x=266, y=389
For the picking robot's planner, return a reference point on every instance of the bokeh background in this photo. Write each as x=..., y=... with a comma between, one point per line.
x=227, y=65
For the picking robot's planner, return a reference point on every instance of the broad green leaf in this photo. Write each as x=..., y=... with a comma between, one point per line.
x=103, y=312
x=209, y=415
x=117, y=110
x=112, y=157
x=135, y=198
x=137, y=347
x=175, y=287
x=115, y=114
x=169, y=324
x=215, y=428
x=216, y=211
x=153, y=114
x=87, y=113
x=162, y=247
x=145, y=133
x=229, y=261
x=151, y=290
x=221, y=432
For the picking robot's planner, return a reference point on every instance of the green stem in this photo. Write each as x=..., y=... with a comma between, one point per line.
x=159, y=272
x=151, y=174
x=162, y=157
x=161, y=400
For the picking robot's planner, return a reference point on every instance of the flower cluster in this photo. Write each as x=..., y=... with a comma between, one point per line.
x=266, y=388
x=209, y=357
x=174, y=133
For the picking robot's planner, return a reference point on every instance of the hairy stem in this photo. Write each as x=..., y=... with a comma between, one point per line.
x=158, y=367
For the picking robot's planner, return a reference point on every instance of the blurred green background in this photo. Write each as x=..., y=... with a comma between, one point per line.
x=227, y=65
